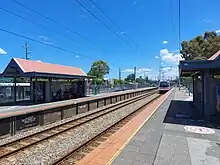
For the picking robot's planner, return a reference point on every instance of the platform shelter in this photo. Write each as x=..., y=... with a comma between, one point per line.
x=206, y=84
x=47, y=82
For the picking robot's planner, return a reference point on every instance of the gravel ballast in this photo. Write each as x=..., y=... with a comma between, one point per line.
x=46, y=152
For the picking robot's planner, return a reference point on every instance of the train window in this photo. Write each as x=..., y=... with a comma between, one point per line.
x=164, y=84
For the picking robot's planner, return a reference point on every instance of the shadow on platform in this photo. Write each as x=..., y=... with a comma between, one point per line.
x=185, y=113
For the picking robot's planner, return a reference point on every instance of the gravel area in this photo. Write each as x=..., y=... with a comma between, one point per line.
x=46, y=152
x=41, y=128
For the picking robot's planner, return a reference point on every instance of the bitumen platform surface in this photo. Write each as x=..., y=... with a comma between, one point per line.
x=165, y=140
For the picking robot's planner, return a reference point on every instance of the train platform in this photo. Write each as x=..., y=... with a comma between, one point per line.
x=169, y=133
x=31, y=107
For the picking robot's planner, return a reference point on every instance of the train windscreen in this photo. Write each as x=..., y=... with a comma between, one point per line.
x=164, y=84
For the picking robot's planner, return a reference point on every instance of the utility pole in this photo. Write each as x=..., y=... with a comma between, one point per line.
x=162, y=72
x=26, y=50
x=159, y=75
x=119, y=74
x=135, y=73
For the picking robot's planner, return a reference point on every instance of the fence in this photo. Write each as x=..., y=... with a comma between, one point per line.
x=91, y=90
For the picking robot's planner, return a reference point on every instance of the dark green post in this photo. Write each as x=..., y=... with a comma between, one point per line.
x=95, y=88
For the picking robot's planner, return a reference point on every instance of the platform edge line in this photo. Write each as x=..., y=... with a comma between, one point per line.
x=129, y=139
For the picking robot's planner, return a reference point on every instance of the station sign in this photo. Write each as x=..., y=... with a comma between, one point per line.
x=41, y=79
x=65, y=80
x=27, y=121
x=216, y=76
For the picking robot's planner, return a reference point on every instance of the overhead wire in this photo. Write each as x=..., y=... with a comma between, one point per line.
x=43, y=43
x=179, y=35
x=38, y=24
x=56, y=23
x=112, y=21
x=60, y=25
x=171, y=11
x=53, y=46
x=104, y=24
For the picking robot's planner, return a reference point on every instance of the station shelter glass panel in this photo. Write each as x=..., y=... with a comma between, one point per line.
x=8, y=93
x=39, y=90
x=65, y=89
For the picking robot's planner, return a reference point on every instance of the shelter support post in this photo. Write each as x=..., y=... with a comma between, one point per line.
x=48, y=90
x=15, y=90
x=193, y=85
x=206, y=92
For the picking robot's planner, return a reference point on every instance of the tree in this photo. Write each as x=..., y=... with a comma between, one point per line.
x=140, y=80
x=99, y=69
x=201, y=47
x=130, y=78
x=146, y=79
x=117, y=81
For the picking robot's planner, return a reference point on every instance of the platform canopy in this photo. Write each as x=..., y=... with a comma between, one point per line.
x=189, y=68
x=29, y=68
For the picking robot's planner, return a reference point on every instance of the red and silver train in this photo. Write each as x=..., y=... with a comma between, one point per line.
x=163, y=86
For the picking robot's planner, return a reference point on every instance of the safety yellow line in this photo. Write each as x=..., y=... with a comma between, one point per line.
x=129, y=139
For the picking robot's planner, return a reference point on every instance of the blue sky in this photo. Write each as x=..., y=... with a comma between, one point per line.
x=148, y=23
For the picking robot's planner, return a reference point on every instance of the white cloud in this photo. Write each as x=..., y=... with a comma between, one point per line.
x=48, y=43
x=167, y=69
x=128, y=70
x=2, y=51
x=156, y=57
x=140, y=70
x=170, y=57
x=171, y=72
x=217, y=31
x=168, y=73
x=45, y=40
x=43, y=37
x=208, y=21
x=165, y=42
x=123, y=33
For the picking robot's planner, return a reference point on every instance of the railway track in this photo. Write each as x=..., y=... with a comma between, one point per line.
x=16, y=146
x=78, y=153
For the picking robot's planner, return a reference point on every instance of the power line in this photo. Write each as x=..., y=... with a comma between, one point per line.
x=43, y=43
x=52, y=46
x=113, y=22
x=171, y=11
x=42, y=26
x=179, y=38
x=179, y=26
x=119, y=37
x=55, y=22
